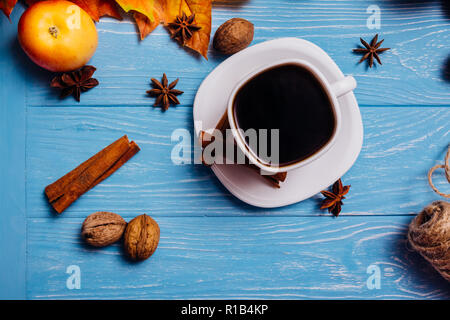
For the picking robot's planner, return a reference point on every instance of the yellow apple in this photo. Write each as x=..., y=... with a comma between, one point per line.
x=57, y=35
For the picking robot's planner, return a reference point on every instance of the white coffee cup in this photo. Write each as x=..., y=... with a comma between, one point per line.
x=333, y=90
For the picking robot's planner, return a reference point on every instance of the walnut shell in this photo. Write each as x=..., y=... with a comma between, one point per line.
x=101, y=229
x=233, y=36
x=141, y=237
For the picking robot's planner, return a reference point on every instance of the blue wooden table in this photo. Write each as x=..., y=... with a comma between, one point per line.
x=212, y=245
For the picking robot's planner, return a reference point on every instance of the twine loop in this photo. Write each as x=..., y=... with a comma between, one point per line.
x=446, y=167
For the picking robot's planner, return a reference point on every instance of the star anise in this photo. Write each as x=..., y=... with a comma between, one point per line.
x=75, y=82
x=333, y=200
x=165, y=93
x=371, y=50
x=183, y=28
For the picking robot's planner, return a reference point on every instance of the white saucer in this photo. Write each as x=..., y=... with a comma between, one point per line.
x=211, y=103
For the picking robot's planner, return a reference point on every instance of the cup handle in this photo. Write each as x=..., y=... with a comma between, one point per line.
x=343, y=86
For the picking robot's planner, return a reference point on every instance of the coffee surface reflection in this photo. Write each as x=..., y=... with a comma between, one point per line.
x=291, y=99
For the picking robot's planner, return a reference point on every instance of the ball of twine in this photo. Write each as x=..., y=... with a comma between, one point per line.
x=429, y=234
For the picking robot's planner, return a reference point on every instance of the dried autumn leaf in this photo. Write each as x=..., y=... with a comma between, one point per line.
x=202, y=10
x=144, y=24
x=166, y=11
x=145, y=7
x=99, y=8
x=7, y=6
x=95, y=8
x=200, y=39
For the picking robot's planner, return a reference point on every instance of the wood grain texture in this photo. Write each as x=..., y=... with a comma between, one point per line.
x=389, y=178
x=228, y=258
x=212, y=245
x=414, y=72
x=12, y=167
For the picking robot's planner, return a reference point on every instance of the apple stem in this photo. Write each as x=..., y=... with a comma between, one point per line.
x=53, y=31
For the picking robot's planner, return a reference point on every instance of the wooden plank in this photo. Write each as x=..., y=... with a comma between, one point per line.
x=389, y=178
x=12, y=164
x=237, y=257
x=414, y=72
x=212, y=245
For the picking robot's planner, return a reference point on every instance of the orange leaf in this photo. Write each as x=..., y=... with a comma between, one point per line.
x=144, y=24
x=200, y=39
x=99, y=8
x=166, y=11
x=95, y=8
x=7, y=6
x=145, y=7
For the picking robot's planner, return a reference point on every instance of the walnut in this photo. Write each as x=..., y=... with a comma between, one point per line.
x=233, y=36
x=141, y=237
x=101, y=229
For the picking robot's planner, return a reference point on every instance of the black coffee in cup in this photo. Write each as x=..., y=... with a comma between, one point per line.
x=291, y=99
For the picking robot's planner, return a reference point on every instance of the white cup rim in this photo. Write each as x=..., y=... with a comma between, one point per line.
x=240, y=140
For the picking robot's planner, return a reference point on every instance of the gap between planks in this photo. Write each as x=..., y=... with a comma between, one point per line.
x=150, y=105
x=319, y=216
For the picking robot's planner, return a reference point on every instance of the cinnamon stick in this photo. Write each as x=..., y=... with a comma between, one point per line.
x=66, y=190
